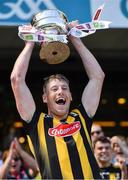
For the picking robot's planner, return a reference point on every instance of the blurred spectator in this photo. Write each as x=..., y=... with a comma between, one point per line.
x=96, y=132
x=17, y=164
x=119, y=146
x=120, y=149
x=103, y=154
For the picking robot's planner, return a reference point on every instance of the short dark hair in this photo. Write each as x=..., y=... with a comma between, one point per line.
x=102, y=139
x=54, y=76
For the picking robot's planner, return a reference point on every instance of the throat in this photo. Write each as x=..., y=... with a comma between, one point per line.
x=61, y=118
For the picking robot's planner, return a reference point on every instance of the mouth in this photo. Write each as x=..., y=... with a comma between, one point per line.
x=13, y=165
x=61, y=101
x=104, y=156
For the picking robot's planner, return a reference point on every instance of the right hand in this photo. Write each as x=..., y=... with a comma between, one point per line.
x=73, y=24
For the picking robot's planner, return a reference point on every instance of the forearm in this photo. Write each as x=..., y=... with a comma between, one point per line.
x=124, y=172
x=22, y=62
x=29, y=161
x=90, y=63
x=4, y=169
x=124, y=176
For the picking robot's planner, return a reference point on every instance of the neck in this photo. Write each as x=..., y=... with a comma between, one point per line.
x=15, y=173
x=59, y=117
x=104, y=164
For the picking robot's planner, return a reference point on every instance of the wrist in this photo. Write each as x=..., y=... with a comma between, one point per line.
x=29, y=44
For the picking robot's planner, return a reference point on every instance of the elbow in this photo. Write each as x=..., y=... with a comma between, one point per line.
x=15, y=78
x=102, y=75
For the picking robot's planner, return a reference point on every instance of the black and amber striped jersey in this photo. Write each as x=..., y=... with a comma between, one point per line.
x=63, y=148
x=111, y=173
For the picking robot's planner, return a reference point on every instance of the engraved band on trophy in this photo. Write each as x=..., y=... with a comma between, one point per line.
x=49, y=28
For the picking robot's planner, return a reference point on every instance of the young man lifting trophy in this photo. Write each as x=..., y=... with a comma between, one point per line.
x=59, y=138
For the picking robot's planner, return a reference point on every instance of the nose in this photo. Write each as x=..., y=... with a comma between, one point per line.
x=60, y=91
x=104, y=150
x=12, y=161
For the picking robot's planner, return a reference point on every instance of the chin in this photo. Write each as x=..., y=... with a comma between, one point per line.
x=61, y=113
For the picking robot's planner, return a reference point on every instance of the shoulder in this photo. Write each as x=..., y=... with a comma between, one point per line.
x=80, y=110
x=35, y=119
x=115, y=168
x=82, y=115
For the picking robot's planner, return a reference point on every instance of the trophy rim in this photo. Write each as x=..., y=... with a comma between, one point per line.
x=62, y=15
x=44, y=21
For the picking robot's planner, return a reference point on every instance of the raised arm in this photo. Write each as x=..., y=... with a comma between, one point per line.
x=24, y=100
x=28, y=160
x=92, y=92
x=4, y=169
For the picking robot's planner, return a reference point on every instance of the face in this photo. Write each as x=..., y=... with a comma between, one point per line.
x=116, y=144
x=116, y=148
x=15, y=165
x=58, y=98
x=96, y=132
x=102, y=152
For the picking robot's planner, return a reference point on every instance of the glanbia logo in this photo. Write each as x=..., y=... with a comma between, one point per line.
x=64, y=130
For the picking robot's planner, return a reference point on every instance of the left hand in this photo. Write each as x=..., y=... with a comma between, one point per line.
x=17, y=146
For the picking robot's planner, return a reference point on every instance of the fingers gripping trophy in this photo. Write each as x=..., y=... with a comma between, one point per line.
x=50, y=29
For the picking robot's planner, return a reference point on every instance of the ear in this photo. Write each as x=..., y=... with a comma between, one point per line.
x=71, y=96
x=44, y=98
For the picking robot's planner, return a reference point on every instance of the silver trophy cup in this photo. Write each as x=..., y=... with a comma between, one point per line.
x=52, y=22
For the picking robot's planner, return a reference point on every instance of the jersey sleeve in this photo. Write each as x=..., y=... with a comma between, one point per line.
x=82, y=113
x=29, y=127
